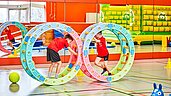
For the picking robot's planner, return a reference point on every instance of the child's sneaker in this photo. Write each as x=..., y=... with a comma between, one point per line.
x=104, y=70
x=49, y=75
x=109, y=74
x=56, y=76
x=13, y=49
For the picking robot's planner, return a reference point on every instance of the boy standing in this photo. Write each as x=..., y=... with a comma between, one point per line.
x=52, y=53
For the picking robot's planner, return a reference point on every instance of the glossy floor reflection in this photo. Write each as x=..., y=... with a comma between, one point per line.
x=139, y=82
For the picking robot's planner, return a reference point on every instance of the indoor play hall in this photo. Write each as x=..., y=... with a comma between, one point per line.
x=85, y=47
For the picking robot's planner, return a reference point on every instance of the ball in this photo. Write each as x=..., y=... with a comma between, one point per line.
x=14, y=87
x=162, y=16
x=126, y=16
x=113, y=44
x=14, y=77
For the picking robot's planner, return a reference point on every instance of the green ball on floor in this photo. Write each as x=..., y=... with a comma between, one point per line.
x=14, y=77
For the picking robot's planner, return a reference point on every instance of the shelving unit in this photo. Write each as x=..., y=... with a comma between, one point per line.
x=152, y=24
x=114, y=14
x=146, y=21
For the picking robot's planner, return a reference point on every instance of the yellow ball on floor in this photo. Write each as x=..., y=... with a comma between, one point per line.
x=14, y=77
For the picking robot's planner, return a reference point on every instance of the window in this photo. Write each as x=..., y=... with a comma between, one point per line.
x=20, y=11
x=38, y=14
x=14, y=15
x=3, y=14
x=18, y=15
x=23, y=16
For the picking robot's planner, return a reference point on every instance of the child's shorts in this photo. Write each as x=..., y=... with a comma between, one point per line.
x=12, y=41
x=105, y=57
x=52, y=55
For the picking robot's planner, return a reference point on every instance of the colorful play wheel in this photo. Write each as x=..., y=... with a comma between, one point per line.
x=126, y=57
x=23, y=50
x=83, y=36
x=19, y=25
x=26, y=54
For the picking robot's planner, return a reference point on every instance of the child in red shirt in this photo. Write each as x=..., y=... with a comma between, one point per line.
x=52, y=52
x=102, y=52
x=10, y=37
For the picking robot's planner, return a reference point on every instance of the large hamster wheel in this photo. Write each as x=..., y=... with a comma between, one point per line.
x=26, y=54
x=126, y=57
